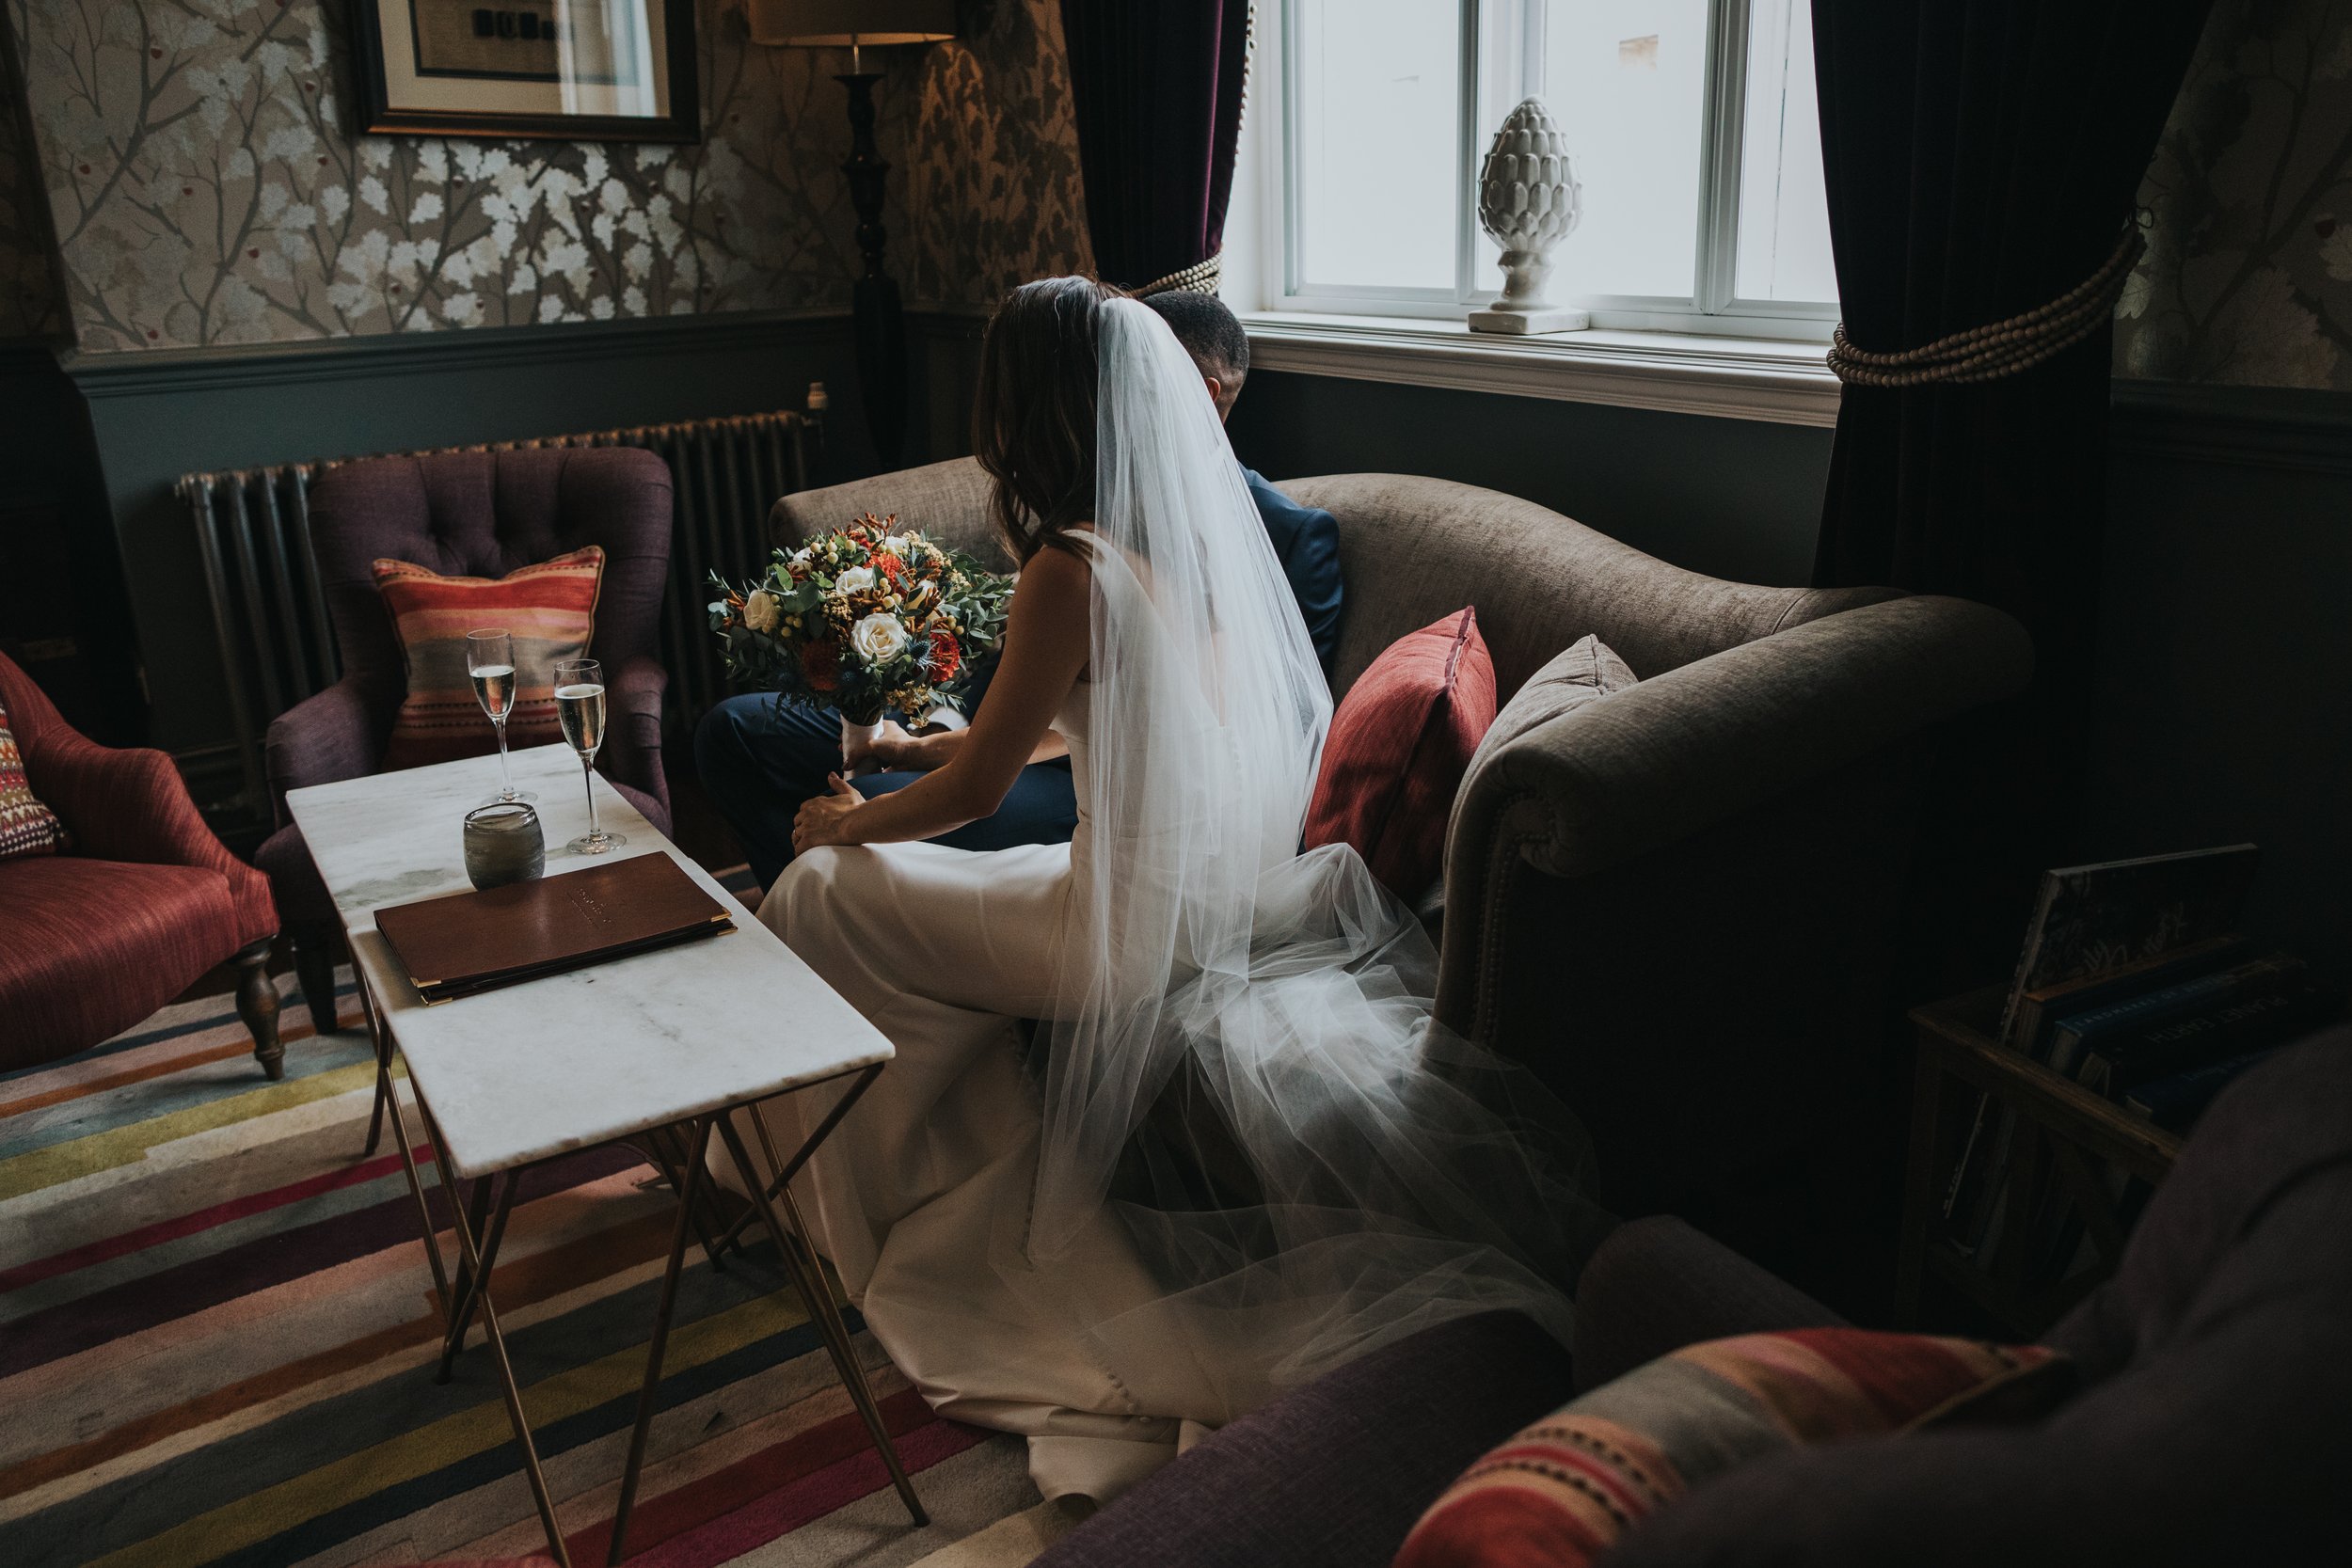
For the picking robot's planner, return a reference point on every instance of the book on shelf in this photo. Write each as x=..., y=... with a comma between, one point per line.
x=2091, y=922
x=2116, y=1066
x=2193, y=1047
x=2097, y=919
x=2040, y=1010
x=2077, y=1034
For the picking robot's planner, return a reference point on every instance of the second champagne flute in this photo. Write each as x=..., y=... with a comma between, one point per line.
x=580, y=709
x=490, y=660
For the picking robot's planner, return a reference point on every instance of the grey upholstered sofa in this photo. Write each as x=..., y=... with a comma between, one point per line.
x=1680, y=904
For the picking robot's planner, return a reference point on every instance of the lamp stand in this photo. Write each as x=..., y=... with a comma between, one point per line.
x=881, y=341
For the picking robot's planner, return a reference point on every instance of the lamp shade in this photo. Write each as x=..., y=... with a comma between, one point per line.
x=847, y=23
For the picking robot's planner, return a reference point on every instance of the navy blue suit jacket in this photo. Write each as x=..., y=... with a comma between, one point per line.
x=1306, y=541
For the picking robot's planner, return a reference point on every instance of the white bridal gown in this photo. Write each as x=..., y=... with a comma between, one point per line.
x=923, y=1193
x=1398, y=1177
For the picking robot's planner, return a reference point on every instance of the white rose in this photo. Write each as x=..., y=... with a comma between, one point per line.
x=762, y=611
x=896, y=543
x=799, y=563
x=857, y=579
x=879, y=638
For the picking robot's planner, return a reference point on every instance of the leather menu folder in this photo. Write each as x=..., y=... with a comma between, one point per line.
x=466, y=942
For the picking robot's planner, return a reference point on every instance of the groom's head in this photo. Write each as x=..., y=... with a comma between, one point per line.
x=1213, y=336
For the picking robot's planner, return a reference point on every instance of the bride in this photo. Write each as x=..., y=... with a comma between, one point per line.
x=1234, y=1154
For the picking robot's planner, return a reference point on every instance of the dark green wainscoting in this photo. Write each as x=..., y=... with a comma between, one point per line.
x=2224, y=704
x=61, y=612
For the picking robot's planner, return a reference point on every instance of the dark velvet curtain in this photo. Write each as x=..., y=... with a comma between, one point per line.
x=1156, y=85
x=1983, y=157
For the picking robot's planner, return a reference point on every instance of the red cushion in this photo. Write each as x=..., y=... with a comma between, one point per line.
x=552, y=610
x=89, y=947
x=1399, y=746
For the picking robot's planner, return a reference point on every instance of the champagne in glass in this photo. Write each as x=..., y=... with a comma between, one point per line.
x=580, y=709
x=490, y=660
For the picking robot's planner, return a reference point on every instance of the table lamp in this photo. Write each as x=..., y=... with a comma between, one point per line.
x=858, y=25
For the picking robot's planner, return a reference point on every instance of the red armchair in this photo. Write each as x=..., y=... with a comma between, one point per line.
x=142, y=904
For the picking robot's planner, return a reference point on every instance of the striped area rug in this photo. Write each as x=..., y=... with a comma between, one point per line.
x=217, y=1337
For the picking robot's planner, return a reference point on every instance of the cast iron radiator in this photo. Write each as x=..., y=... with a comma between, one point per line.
x=253, y=530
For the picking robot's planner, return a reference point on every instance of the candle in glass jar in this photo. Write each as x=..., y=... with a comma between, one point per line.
x=503, y=845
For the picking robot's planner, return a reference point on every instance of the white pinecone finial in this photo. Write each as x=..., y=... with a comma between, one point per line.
x=1528, y=201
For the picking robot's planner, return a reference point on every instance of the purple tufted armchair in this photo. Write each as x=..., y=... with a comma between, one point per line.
x=469, y=513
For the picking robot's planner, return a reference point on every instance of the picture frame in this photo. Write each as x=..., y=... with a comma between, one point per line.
x=616, y=70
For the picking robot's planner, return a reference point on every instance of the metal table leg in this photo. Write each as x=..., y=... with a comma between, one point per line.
x=381, y=1039
x=666, y=1148
x=792, y=1168
x=388, y=1101
x=469, y=1287
x=481, y=1294
x=647, y=1395
x=820, y=1305
x=823, y=1299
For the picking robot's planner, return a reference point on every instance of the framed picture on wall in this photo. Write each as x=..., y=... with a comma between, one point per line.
x=562, y=69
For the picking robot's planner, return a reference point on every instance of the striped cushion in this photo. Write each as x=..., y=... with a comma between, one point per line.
x=550, y=608
x=26, y=826
x=1563, y=1492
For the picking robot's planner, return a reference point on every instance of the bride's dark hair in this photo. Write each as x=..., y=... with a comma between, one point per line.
x=1033, y=422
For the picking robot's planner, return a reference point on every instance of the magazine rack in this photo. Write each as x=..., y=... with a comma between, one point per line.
x=2069, y=1161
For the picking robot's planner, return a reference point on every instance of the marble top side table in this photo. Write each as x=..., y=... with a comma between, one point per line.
x=658, y=1049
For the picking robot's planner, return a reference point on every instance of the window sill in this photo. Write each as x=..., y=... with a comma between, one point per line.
x=1733, y=378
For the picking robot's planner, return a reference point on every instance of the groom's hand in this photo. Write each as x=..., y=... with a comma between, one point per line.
x=825, y=819
x=886, y=750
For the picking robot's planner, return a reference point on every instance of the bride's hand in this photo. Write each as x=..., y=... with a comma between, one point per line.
x=887, y=749
x=825, y=819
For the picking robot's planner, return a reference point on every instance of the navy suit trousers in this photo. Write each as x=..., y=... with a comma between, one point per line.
x=761, y=760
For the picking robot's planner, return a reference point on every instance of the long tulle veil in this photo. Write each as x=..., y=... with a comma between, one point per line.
x=1243, y=1066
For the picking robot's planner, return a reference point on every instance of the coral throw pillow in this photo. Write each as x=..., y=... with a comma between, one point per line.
x=550, y=608
x=1566, y=1490
x=1398, y=747
x=26, y=826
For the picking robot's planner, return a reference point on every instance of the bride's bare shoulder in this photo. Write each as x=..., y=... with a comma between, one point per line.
x=1067, y=559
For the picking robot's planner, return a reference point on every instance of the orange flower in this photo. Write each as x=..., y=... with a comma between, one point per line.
x=947, y=656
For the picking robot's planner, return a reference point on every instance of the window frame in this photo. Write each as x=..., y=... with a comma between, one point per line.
x=1713, y=307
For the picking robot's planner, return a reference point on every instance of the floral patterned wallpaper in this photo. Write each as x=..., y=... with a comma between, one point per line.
x=2248, y=274
x=206, y=188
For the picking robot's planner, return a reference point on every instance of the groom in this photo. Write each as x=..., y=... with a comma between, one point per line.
x=760, y=761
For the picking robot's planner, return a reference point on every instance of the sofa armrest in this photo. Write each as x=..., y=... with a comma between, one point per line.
x=125, y=805
x=1656, y=1285
x=632, y=750
x=327, y=737
x=1608, y=783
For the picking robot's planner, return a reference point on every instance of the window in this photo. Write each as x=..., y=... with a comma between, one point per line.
x=1693, y=123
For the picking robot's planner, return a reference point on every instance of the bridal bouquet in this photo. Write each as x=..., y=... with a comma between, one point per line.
x=868, y=619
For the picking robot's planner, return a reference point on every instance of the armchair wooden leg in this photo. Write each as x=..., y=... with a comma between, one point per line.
x=315, y=949
x=257, y=1004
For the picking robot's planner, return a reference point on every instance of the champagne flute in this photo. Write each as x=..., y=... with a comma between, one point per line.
x=490, y=660
x=580, y=709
